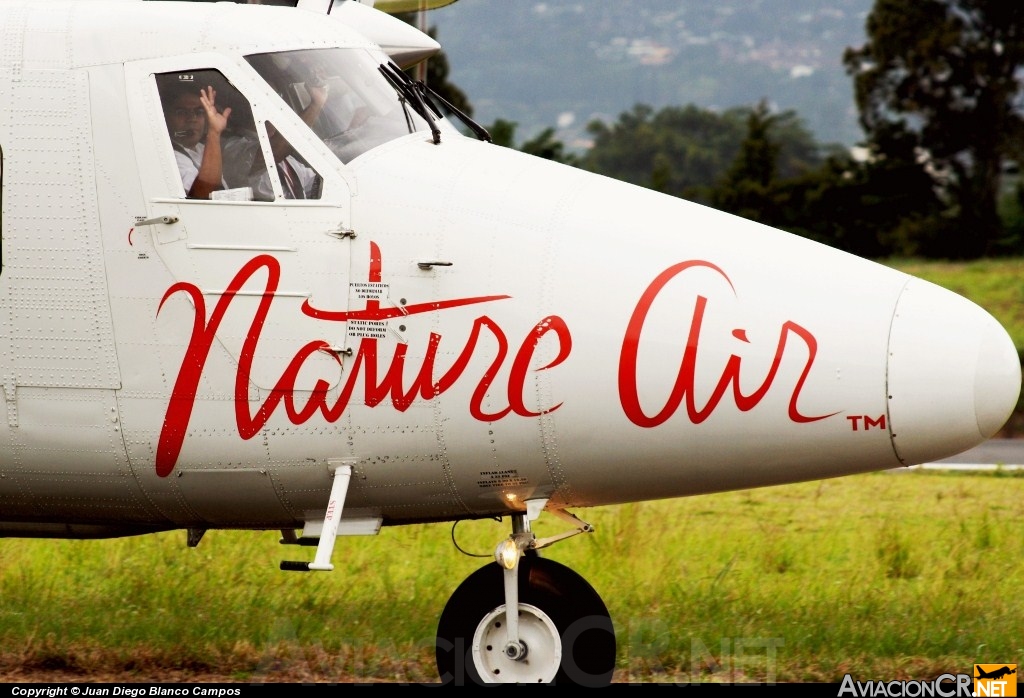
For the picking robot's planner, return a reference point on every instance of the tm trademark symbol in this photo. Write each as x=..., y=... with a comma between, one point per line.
x=869, y=422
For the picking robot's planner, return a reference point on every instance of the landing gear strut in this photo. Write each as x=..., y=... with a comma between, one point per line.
x=561, y=632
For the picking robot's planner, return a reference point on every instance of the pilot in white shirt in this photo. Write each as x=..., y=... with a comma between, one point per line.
x=196, y=126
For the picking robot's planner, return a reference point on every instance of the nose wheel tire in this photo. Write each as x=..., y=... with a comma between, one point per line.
x=564, y=627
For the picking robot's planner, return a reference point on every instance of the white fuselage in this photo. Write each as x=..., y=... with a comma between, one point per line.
x=496, y=328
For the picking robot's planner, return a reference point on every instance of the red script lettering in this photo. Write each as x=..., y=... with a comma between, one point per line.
x=683, y=388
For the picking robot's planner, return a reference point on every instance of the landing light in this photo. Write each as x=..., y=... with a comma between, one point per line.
x=507, y=554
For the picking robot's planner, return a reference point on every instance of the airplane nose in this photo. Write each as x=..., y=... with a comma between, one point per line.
x=954, y=375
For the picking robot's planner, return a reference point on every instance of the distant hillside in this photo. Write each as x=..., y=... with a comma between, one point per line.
x=561, y=63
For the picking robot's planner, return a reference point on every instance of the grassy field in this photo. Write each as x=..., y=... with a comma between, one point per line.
x=888, y=575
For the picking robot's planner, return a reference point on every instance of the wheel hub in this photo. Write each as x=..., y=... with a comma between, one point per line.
x=534, y=660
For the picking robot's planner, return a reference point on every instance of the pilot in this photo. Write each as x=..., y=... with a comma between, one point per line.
x=196, y=127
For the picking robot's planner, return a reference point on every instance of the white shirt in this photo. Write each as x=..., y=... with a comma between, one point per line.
x=241, y=150
x=189, y=160
x=306, y=175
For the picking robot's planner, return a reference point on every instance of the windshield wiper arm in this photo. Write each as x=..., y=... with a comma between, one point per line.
x=481, y=133
x=407, y=89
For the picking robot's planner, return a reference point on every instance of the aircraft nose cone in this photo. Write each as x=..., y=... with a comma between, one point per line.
x=953, y=374
x=997, y=379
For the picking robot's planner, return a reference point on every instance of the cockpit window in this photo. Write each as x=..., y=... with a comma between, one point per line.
x=298, y=179
x=360, y=108
x=213, y=134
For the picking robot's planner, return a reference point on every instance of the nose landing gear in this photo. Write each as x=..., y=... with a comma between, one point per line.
x=561, y=632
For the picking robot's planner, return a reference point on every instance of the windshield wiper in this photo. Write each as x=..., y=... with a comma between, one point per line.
x=421, y=96
x=408, y=92
x=473, y=126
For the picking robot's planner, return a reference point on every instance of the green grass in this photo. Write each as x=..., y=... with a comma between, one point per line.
x=885, y=576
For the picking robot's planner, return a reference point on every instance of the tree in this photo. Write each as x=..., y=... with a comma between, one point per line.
x=503, y=132
x=945, y=74
x=880, y=207
x=543, y=145
x=746, y=188
x=677, y=150
x=685, y=151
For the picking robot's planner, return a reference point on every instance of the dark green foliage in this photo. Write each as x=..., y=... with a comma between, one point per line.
x=691, y=147
x=685, y=151
x=543, y=145
x=546, y=146
x=883, y=206
x=945, y=74
x=766, y=167
x=503, y=133
x=746, y=189
x=1011, y=212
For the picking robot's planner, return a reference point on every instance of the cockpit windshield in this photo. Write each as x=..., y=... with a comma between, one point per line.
x=342, y=95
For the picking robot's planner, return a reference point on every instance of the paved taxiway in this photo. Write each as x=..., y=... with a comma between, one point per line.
x=1007, y=454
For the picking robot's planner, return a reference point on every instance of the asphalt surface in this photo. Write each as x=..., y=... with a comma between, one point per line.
x=1005, y=453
